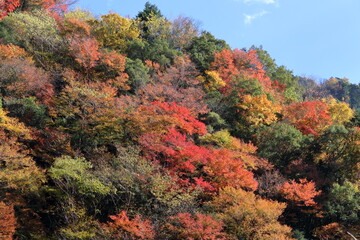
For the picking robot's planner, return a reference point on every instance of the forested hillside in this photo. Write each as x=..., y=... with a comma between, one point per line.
x=148, y=128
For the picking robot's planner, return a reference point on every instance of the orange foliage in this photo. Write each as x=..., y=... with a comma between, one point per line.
x=10, y=51
x=331, y=231
x=7, y=221
x=230, y=64
x=115, y=67
x=114, y=61
x=247, y=216
x=8, y=6
x=85, y=50
x=122, y=227
x=159, y=116
x=197, y=227
x=56, y=7
x=74, y=25
x=308, y=117
x=246, y=152
x=302, y=193
x=225, y=170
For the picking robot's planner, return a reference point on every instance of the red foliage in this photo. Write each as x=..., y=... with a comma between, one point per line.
x=302, y=193
x=177, y=84
x=85, y=50
x=7, y=221
x=181, y=157
x=230, y=64
x=159, y=116
x=197, y=227
x=29, y=80
x=122, y=227
x=224, y=64
x=56, y=8
x=8, y=6
x=185, y=120
x=226, y=170
x=308, y=117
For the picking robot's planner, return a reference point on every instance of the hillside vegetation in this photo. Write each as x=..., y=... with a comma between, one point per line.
x=148, y=128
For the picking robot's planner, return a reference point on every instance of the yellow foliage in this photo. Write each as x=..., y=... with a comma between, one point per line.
x=18, y=170
x=246, y=152
x=156, y=27
x=340, y=112
x=259, y=110
x=13, y=126
x=115, y=32
x=248, y=216
x=212, y=81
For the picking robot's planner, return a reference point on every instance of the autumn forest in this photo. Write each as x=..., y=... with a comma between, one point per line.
x=149, y=128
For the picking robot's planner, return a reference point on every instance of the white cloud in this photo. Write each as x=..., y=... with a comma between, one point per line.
x=249, y=18
x=260, y=1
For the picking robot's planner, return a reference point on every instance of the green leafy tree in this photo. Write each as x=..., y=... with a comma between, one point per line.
x=149, y=11
x=344, y=202
x=281, y=143
x=36, y=31
x=138, y=74
x=203, y=48
x=74, y=177
x=337, y=152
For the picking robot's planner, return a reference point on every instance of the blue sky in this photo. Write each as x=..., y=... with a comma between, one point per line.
x=313, y=38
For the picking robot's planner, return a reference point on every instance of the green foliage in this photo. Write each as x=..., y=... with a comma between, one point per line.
x=280, y=74
x=150, y=10
x=88, y=112
x=81, y=15
x=202, y=50
x=28, y=110
x=214, y=122
x=141, y=183
x=285, y=76
x=281, y=143
x=344, y=202
x=299, y=235
x=36, y=31
x=158, y=50
x=77, y=225
x=338, y=152
x=73, y=176
x=138, y=74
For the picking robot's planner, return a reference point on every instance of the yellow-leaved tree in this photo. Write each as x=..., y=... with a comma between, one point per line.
x=259, y=109
x=115, y=32
x=340, y=112
x=18, y=170
x=247, y=216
